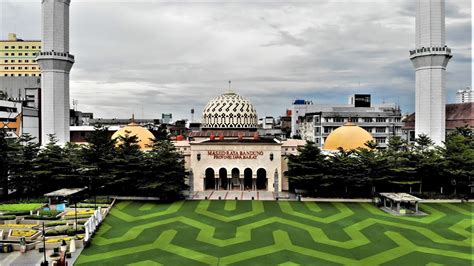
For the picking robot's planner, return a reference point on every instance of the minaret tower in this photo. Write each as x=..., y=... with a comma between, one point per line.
x=430, y=59
x=55, y=62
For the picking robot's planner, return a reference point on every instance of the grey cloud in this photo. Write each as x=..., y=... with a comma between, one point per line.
x=171, y=57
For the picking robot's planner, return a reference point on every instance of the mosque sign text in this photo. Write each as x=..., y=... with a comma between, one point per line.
x=232, y=155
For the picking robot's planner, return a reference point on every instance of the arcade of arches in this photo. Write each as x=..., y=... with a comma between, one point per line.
x=236, y=179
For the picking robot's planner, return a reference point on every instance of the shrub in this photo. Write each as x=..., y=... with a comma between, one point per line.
x=100, y=199
x=65, y=230
x=17, y=213
x=50, y=213
x=7, y=217
x=92, y=205
x=39, y=217
x=78, y=217
x=80, y=213
x=55, y=223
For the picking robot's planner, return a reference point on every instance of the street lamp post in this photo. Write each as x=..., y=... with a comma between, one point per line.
x=45, y=262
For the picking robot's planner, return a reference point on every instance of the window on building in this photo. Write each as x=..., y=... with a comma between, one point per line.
x=26, y=54
x=20, y=68
x=12, y=61
x=6, y=54
x=380, y=140
x=13, y=47
x=5, y=67
x=13, y=68
x=338, y=119
x=27, y=47
x=5, y=61
x=317, y=140
x=13, y=54
x=26, y=75
x=34, y=68
x=27, y=61
x=26, y=68
x=6, y=75
x=6, y=47
x=12, y=75
x=380, y=130
x=397, y=119
x=367, y=120
x=33, y=47
x=19, y=75
x=318, y=130
x=20, y=47
x=34, y=75
x=20, y=54
x=380, y=120
x=19, y=61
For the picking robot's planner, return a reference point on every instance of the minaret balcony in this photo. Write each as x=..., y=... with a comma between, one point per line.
x=52, y=54
x=425, y=51
x=55, y=61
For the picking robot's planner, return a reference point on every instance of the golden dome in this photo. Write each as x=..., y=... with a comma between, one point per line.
x=133, y=129
x=348, y=137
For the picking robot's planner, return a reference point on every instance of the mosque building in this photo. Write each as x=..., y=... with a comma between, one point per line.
x=228, y=154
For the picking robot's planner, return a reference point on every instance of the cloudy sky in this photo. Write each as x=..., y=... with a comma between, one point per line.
x=153, y=57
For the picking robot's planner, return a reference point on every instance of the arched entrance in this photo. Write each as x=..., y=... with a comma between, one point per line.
x=248, y=179
x=209, y=180
x=261, y=179
x=223, y=178
x=235, y=178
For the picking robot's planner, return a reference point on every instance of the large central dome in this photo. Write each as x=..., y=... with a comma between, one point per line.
x=229, y=111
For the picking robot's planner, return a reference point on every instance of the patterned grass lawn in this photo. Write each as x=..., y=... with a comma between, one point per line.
x=280, y=233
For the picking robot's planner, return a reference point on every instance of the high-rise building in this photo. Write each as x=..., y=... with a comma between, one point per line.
x=465, y=95
x=317, y=121
x=18, y=57
x=56, y=63
x=430, y=58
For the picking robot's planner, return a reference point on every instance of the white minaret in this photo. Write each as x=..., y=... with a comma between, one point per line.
x=55, y=62
x=430, y=59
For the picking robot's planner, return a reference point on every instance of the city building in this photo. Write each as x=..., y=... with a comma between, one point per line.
x=18, y=57
x=16, y=119
x=167, y=118
x=457, y=115
x=430, y=58
x=465, y=95
x=314, y=122
x=55, y=62
x=24, y=89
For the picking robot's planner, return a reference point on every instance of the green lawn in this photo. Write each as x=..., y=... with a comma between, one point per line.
x=280, y=233
x=20, y=206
